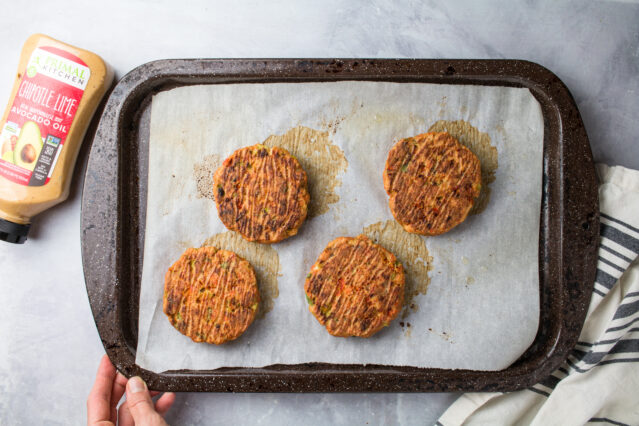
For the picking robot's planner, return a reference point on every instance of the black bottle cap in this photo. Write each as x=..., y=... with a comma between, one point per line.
x=13, y=232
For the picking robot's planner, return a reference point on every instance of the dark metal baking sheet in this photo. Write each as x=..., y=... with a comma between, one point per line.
x=114, y=209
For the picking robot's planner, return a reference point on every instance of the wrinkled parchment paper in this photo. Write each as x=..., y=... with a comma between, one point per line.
x=481, y=308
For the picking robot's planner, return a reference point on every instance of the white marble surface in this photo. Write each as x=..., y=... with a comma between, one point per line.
x=49, y=346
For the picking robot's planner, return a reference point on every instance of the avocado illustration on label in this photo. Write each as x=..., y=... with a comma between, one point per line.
x=28, y=147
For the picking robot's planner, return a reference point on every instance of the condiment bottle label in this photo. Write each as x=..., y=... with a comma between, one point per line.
x=48, y=96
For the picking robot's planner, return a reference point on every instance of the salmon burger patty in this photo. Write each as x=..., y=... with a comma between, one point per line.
x=211, y=295
x=432, y=181
x=262, y=193
x=355, y=287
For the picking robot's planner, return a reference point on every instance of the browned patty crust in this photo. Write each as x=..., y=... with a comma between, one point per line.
x=355, y=287
x=211, y=295
x=262, y=193
x=432, y=181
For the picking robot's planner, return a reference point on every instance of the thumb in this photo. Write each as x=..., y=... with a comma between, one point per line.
x=139, y=402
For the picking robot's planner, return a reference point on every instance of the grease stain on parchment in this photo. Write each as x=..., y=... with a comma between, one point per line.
x=480, y=145
x=410, y=250
x=406, y=328
x=322, y=160
x=445, y=336
x=443, y=104
x=262, y=257
x=408, y=331
x=203, y=173
x=332, y=125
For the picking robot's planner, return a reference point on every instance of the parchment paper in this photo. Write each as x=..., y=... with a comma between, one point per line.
x=481, y=309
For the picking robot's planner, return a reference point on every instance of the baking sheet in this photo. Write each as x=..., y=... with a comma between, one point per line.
x=481, y=308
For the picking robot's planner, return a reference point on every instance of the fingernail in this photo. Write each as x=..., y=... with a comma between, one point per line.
x=136, y=385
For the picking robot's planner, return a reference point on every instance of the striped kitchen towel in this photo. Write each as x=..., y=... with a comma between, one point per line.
x=599, y=381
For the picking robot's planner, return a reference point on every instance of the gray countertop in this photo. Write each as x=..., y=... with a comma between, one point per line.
x=50, y=348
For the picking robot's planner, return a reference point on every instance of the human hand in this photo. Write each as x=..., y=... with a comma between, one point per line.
x=138, y=409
